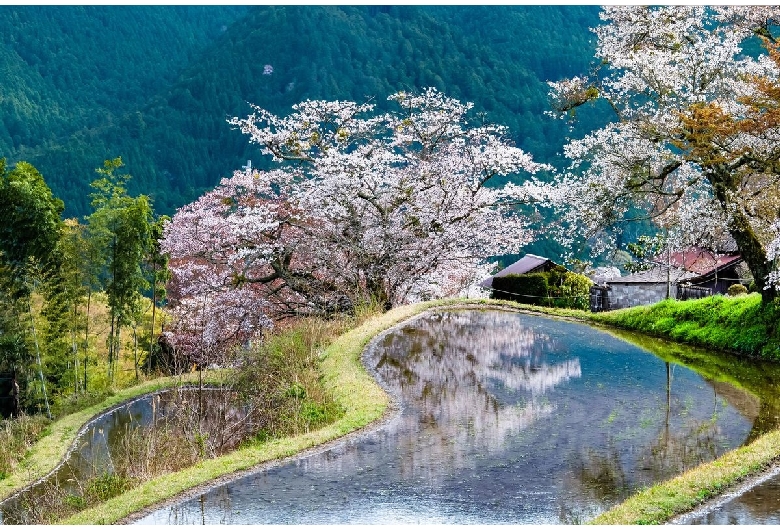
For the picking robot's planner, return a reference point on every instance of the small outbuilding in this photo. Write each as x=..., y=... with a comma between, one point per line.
x=693, y=273
x=528, y=264
x=646, y=287
x=716, y=272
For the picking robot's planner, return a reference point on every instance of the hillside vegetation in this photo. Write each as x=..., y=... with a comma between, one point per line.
x=71, y=73
x=166, y=79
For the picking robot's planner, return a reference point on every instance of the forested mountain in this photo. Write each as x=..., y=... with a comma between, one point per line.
x=155, y=85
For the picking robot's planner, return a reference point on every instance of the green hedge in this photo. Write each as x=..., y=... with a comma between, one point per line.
x=523, y=288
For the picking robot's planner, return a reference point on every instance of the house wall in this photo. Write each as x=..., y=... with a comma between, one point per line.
x=730, y=274
x=633, y=294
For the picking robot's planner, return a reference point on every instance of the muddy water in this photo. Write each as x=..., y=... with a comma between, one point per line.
x=99, y=443
x=505, y=418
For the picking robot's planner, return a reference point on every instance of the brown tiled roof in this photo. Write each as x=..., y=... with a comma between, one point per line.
x=700, y=261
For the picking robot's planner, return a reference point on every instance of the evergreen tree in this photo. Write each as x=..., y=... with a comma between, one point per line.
x=29, y=236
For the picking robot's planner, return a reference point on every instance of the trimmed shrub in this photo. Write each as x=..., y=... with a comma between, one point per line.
x=736, y=290
x=573, y=291
x=523, y=288
x=556, y=288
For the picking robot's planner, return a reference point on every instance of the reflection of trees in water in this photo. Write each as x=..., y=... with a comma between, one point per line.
x=605, y=478
x=768, y=418
x=597, y=476
x=459, y=370
x=756, y=380
x=681, y=442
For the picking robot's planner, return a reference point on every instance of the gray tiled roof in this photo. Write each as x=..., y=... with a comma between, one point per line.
x=524, y=265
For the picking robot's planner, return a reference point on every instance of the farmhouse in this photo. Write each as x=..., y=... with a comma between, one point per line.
x=693, y=273
x=716, y=272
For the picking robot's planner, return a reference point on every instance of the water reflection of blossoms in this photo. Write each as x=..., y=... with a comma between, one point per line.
x=474, y=380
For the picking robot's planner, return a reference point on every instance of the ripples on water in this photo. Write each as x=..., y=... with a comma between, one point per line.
x=506, y=418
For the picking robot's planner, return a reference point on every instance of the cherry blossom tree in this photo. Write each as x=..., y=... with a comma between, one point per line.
x=676, y=77
x=213, y=307
x=390, y=207
x=366, y=207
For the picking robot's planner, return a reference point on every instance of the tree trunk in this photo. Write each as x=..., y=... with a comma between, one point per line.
x=86, y=339
x=154, y=308
x=750, y=248
x=135, y=351
x=378, y=293
x=754, y=254
x=75, y=348
x=40, y=364
x=111, y=345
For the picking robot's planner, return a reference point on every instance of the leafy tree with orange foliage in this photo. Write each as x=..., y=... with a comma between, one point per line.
x=694, y=144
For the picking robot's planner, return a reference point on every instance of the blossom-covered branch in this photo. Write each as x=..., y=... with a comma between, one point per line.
x=678, y=152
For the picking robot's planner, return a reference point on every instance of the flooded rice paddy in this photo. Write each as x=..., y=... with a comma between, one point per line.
x=101, y=441
x=508, y=418
x=757, y=502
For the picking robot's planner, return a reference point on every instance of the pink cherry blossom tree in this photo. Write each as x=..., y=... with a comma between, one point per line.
x=384, y=207
x=664, y=71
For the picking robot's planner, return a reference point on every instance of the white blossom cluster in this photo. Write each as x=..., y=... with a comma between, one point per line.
x=402, y=204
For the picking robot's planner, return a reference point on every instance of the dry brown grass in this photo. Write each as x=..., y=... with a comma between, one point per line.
x=17, y=437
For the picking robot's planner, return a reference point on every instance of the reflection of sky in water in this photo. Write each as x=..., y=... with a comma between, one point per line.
x=506, y=418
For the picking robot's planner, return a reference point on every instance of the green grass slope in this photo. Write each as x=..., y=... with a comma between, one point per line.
x=737, y=324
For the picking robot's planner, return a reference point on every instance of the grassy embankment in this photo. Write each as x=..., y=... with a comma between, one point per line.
x=279, y=383
x=659, y=503
x=740, y=325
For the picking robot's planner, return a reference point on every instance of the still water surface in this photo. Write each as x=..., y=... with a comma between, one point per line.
x=505, y=418
x=100, y=442
x=759, y=505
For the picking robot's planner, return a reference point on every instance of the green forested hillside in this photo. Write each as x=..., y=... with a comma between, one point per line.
x=70, y=72
x=156, y=85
